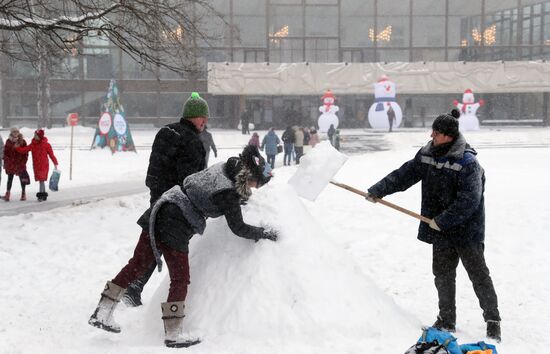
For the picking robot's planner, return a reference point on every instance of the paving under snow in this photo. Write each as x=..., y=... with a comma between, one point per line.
x=346, y=276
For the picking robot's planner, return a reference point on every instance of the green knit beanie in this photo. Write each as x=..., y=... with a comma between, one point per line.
x=195, y=106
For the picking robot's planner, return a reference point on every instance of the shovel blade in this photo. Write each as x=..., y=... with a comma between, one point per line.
x=316, y=170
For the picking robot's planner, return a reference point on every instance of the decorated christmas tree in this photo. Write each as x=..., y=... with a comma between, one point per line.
x=112, y=128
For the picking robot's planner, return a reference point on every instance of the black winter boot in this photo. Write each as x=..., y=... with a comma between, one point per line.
x=42, y=196
x=493, y=330
x=444, y=325
x=132, y=297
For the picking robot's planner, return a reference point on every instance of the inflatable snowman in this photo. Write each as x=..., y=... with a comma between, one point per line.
x=384, y=97
x=328, y=113
x=468, y=108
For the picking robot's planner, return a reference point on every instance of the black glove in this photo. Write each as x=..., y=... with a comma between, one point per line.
x=215, y=154
x=270, y=235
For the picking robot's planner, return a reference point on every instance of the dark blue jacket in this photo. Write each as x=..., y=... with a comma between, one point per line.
x=452, y=192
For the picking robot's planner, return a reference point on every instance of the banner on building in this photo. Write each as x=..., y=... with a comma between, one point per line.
x=358, y=78
x=112, y=128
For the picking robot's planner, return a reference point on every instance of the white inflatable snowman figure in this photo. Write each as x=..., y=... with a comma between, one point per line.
x=328, y=111
x=384, y=97
x=468, y=108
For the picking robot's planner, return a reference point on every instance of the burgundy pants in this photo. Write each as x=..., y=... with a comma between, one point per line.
x=142, y=260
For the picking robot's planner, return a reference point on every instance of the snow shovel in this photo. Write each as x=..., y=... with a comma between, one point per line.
x=317, y=169
x=382, y=201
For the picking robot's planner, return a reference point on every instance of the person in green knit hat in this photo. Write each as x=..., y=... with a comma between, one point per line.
x=177, y=152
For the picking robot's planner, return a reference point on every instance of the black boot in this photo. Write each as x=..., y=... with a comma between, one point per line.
x=493, y=330
x=444, y=325
x=132, y=297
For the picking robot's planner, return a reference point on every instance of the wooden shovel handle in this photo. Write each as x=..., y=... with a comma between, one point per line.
x=382, y=201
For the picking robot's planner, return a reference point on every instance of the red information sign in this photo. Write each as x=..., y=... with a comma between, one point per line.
x=72, y=119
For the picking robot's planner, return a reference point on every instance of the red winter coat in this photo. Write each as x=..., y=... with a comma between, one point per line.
x=14, y=162
x=40, y=149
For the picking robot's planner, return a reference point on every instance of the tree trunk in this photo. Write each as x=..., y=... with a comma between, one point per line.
x=44, y=90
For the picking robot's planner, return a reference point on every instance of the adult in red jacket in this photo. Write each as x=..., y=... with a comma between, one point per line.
x=15, y=163
x=40, y=149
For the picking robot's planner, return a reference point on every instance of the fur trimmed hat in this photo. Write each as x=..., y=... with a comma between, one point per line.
x=194, y=107
x=447, y=123
x=259, y=169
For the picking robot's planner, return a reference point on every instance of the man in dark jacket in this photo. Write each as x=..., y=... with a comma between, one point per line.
x=180, y=213
x=453, y=183
x=177, y=152
x=208, y=144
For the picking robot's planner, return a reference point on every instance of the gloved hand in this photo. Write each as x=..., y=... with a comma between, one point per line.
x=270, y=235
x=371, y=198
x=215, y=154
x=434, y=226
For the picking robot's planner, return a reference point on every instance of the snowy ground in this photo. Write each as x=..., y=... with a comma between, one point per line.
x=346, y=276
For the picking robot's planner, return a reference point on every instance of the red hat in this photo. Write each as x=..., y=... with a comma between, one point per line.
x=468, y=91
x=328, y=93
x=40, y=133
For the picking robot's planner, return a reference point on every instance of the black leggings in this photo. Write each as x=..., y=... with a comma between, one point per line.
x=10, y=181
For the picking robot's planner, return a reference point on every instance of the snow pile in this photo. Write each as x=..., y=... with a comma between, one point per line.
x=302, y=289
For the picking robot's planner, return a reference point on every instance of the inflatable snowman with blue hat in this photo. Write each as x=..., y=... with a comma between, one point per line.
x=328, y=111
x=468, y=108
x=384, y=98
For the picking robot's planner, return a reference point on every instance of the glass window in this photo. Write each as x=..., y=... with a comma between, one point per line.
x=464, y=23
x=321, y=21
x=393, y=31
x=425, y=54
x=322, y=50
x=131, y=69
x=101, y=63
x=21, y=104
x=286, y=50
x=286, y=21
x=390, y=55
x=63, y=103
x=428, y=31
x=357, y=19
x=428, y=7
x=249, y=31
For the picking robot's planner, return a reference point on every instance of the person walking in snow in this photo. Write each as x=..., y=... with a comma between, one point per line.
x=179, y=214
x=245, y=121
x=330, y=133
x=298, y=143
x=41, y=150
x=208, y=143
x=453, y=183
x=336, y=139
x=313, y=137
x=177, y=152
x=288, y=140
x=391, y=117
x=255, y=140
x=270, y=142
x=15, y=163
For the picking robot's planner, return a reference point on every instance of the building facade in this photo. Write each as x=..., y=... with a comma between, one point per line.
x=295, y=31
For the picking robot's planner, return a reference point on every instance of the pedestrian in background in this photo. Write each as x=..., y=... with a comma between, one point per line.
x=313, y=137
x=330, y=133
x=254, y=140
x=269, y=143
x=41, y=150
x=15, y=163
x=208, y=144
x=288, y=144
x=298, y=143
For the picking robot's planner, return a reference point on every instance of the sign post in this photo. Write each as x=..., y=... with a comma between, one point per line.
x=72, y=120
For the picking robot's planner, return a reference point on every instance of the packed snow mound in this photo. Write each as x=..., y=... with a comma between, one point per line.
x=302, y=288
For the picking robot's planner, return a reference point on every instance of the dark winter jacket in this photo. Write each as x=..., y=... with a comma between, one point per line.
x=288, y=136
x=14, y=162
x=177, y=152
x=207, y=142
x=181, y=212
x=270, y=142
x=452, y=192
x=40, y=149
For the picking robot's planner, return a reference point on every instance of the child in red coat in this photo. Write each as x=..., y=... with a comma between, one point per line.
x=40, y=149
x=15, y=163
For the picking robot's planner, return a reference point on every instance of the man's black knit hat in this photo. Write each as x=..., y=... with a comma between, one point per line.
x=447, y=123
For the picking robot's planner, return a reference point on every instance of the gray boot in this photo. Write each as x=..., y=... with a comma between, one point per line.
x=172, y=315
x=103, y=314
